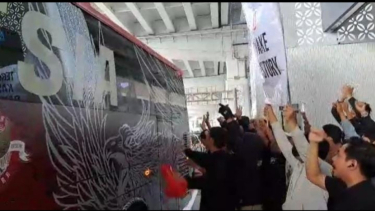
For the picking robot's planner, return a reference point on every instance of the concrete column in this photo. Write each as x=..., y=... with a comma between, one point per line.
x=236, y=80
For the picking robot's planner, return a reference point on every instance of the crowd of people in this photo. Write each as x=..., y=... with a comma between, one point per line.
x=268, y=164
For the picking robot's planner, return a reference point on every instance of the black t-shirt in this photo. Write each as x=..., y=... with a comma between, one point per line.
x=218, y=183
x=274, y=187
x=358, y=197
x=249, y=153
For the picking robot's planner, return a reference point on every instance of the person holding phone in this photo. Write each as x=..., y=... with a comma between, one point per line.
x=298, y=198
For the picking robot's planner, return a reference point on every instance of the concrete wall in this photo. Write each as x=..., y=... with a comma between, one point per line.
x=207, y=45
x=214, y=45
x=217, y=81
x=236, y=68
x=319, y=63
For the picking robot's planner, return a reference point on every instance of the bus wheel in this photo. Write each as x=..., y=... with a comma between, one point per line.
x=135, y=204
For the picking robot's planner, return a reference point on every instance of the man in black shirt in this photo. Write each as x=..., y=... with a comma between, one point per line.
x=249, y=162
x=217, y=184
x=247, y=149
x=353, y=167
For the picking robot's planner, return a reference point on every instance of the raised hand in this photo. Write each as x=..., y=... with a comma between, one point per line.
x=347, y=91
x=207, y=121
x=260, y=127
x=203, y=124
x=290, y=117
x=345, y=107
x=289, y=113
x=339, y=108
x=239, y=112
x=351, y=115
x=316, y=135
x=269, y=114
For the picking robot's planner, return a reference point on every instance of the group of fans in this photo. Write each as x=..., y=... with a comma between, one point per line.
x=256, y=165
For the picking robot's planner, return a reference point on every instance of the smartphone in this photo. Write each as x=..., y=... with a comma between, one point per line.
x=295, y=107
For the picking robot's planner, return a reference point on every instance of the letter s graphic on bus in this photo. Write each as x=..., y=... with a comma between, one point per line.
x=31, y=23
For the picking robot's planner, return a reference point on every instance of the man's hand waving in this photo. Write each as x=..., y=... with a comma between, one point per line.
x=313, y=171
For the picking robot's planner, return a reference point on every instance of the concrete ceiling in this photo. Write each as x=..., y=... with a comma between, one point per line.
x=158, y=18
x=193, y=68
x=196, y=36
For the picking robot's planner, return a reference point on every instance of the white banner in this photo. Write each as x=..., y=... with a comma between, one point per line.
x=267, y=55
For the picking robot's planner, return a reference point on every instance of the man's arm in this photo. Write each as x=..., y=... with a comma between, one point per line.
x=335, y=114
x=191, y=163
x=301, y=143
x=299, y=139
x=348, y=129
x=357, y=125
x=347, y=93
x=352, y=101
x=368, y=124
x=261, y=131
x=313, y=172
x=302, y=146
x=306, y=123
x=203, y=126
x=284, y=144
x=199, y=158
x=280, y=137
x=272, y=141
x=208, y=124
x=207, y=121
x=196, y=182
x=238, y=114
x=346, y=125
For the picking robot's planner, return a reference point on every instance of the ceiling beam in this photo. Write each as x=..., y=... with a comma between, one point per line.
x=164, y=15
x=138, y=15
x=108, y=12
x=196, y=55
x=190, y=15
x=203, y=68
x=214, y=7
x=224, y=13
x=188, y=68
x=152, y=7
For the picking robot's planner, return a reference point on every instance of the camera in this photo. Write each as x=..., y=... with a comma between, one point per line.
x=225, y=111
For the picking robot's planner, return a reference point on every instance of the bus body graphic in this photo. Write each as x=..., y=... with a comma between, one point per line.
x=90, y=110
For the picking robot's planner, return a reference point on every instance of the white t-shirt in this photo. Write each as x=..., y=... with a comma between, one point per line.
x=301, y=194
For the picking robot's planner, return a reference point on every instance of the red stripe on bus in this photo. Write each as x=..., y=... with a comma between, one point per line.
x=86, y=6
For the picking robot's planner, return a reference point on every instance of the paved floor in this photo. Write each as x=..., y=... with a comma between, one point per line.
x=197, y=202
x=192, y=201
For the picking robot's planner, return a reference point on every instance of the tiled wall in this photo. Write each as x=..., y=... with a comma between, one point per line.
x=319, y=63
x=303, y=26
